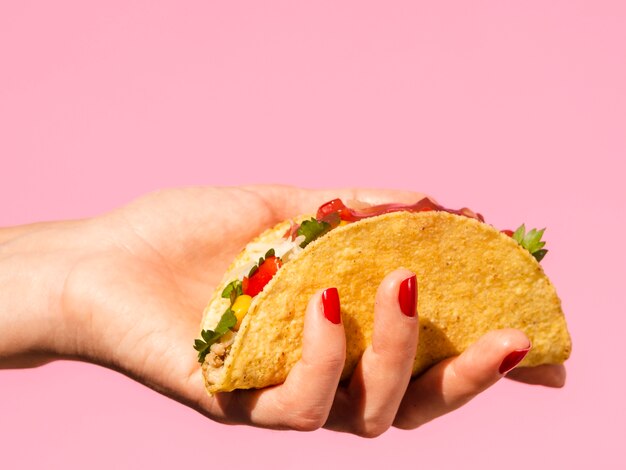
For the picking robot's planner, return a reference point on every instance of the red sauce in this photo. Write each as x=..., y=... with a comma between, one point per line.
x=327, y=212
x=352, y=215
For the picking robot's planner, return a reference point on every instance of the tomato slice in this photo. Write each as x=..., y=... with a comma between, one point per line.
x=336, y=205
x=255, y=284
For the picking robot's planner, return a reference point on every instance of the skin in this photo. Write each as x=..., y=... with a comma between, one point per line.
x=127, y=289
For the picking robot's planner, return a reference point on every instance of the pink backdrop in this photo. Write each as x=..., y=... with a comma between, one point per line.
x=517, y=109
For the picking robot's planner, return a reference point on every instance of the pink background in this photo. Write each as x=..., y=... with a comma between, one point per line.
x=516, y=109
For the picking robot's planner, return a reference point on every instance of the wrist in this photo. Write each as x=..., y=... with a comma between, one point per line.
x=35, y=262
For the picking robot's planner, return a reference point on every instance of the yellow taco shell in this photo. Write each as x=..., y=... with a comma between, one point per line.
x=471, y=277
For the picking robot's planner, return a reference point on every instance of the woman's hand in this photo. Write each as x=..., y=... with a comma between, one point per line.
x=127, y=290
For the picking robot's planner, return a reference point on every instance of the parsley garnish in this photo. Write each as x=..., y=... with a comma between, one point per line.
x=209, y=337
x=531, y=241
x=312, y=230
x=232, y=291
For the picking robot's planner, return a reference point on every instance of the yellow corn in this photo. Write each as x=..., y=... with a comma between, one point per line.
x=240, y=308
x=342, y=223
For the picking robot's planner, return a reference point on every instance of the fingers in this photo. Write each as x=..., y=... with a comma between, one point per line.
x=548, y=375
x=370, y=403
x=453, y=382
x=288, y=201
x=304, y=401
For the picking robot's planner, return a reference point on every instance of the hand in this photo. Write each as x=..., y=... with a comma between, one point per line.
x=126, y=290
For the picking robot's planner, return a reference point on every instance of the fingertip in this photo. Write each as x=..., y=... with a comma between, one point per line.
x=398, y=275
x=558, y=378
x=509, y=338
x=499, y=343
x=399, y=288
x=512, y=359
x=492, y=356
x=407, y=296
x=514, y=347
x=331, y=306
x=395, y=309
x=323, y=330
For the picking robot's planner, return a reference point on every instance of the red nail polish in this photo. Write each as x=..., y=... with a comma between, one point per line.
x=513, y=359
x=330, y=304
x=407, y=296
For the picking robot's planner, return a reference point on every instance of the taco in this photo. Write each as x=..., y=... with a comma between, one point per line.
x=473, y=278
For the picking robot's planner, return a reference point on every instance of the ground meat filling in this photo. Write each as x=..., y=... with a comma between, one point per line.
x=216, y=357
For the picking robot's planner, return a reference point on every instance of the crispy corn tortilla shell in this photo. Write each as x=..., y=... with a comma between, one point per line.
x=471, y=277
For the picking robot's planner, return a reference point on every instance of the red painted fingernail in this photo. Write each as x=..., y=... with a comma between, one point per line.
x=513, y=359
x=407, y=296
x=330, y=303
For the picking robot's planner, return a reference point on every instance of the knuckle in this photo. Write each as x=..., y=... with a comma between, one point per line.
x=303, y=417
x=409, y=416
x=395, y=349
x=394, y=357
x=335, y=362
x=372, y=426
x=407, y=424
x=372, y=429
x=468, y=382
x=325, y=364
x=306, y=420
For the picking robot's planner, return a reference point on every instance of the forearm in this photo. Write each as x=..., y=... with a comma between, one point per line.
x=34, y=263
x=9, y=234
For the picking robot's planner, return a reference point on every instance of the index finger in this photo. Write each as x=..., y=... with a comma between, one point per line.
x=304, y=400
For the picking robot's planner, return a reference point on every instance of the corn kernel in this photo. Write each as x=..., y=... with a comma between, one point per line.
x=240, y=308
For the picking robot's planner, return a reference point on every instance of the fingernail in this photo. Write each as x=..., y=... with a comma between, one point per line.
x=330, y=304
x=407, y=296
x=512, y=360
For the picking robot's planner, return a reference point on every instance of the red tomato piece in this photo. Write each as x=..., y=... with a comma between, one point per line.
x=255, y=284
x=507, y=232
x=336, y=205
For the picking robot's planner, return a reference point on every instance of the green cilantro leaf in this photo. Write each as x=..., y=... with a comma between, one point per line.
x=312, y=230
x=232, y=290
x=254, y=269
x=539, y=254
x=531, y=241
x=209, y=337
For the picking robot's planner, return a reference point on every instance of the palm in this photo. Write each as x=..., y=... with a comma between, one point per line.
x=158, y=275
x=172, y=251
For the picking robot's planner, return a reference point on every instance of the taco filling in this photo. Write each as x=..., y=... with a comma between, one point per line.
x=250, y=280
